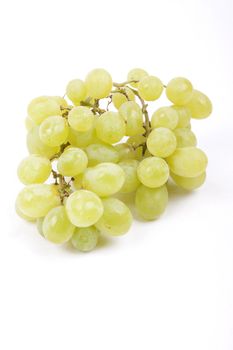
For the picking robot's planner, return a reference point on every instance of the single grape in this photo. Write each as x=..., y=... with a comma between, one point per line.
x=151, y=202
x=153, y=172
x=179, y=91
x=131, y=182
x=116, y=219
x=34, y=169
x=136, y=74
x=184, y=115
x=85, y=239
x=82, y=139
x=150, y=88
x=98, y=83
x=72, y=162
x=185, y=138
x=104, y=179
x=22, y=215
x=136, y=140
x=132, y=114
x=81, y=119
x=43, y=107
x=76, y=91
x=84, y=208
x=39, y=226
x=100, y=152
x=119, y=98
x=189, y=183
x=36, y=146
x=29, y=123
x=199, y=105
x=60, y=100
x=110, y=127
x=161, y=142
x=54, y=131
x=125, y=151
x=166, y=117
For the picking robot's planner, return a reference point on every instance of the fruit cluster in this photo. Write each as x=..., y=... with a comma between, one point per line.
x=91, y=154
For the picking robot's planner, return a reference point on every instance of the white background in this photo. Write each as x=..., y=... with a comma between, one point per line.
x=168, y=284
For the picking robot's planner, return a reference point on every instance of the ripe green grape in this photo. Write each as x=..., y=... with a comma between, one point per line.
x=60, y=100
x=84, y=208
x=184, y=115
x=77, y=182
x=72, y=162
x=54, y=131
x=43, y=107
x=22, y=215
x=100, y=152
x=151, y=202
x=125, y=151
x=82, y=139
x=136, y=74
x=98, y=83
x=56, y=226
x=161, y=142
x=189, y=183
x=34, y=169
x=185, y=138
x=110, y=127
x=81, y=119
x=116, y=219
x=85, y=239
x=76, y=91
x=188, y=162
x=132, y=114
x=136, y=140
x=199, y=105
x=153, y=172
x=119, y=98
x=29, y=123
x=36, y=146
x=131, y=182
x=150, y=88
x=166, y=117
x=104, y=179
x=35, y=201
x=179, y=91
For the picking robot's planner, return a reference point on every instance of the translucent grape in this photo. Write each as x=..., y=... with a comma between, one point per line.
x=132, y=114
x=161, y=142
x=85, y=239
x=150, y=88
x=29, y=123
x=110, y=127
x=77, y=182
x=184, y=115
x=34, y=169
x=131, y=182
x=98, y=83
x=136, y=140
x=189, y=183
x=119, y=98
x=72, y=162
x=84, y=208
x=100, y=152
x=81, y=119
x=116, y=219
x=185, y=138
x=199, y=105
x=153, y=172
x=43, y=107
x=76, y=91
x=60, y=100
x=125, y=151
x=136, y=74
x=166, y=117
x=104, y=179
x=21, y=215
x=151, y=202
x=188, y=162
x=179, y=91
x=54, y=131
x=36, y=146
x=82, y=139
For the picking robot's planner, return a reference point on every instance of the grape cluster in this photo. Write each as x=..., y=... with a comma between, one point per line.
x=90, y=154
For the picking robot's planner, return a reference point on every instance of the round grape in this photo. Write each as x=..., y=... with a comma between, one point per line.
x=132, y=114
x=54, y=131
x=110, y=127
x=179, y=91
x=153, y=172
x=166, y=117
x=199, y=105
x=34, y=169
x=189, y=183
x=85, y=239
x=72, y=162
x=98, y=83
x=150, y=88
x=76, y=91
x=161, y=142
x=81, y=119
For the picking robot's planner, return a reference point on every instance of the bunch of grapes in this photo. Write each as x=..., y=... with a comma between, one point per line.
x=89, y=153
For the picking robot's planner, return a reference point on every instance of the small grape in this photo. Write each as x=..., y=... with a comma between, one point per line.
x=136, y=74
x=100, y=152
x=60, y=100
x=161, y=142
x=179, y=91
x=110, y=127
x=82, y=139
x=54, y=131
x=43, y=107
x=132, y=114
x=184, y=115
x=85, y=239
x=199, y=105
x=98, y=83
x=81, y=119
x=153, y=172
x=166, y=117
x=76, y=91
x=185, y=138
x=36, y=146
x=125, y=151
x=131, y=182
x=189, y=183
x=72, y=162
x=22, y=215
x=119, y=98
x=150, y=88
x=34, y=169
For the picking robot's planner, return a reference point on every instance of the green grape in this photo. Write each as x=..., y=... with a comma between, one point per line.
x=57, y=227
x=104, y=179
x=29, y=123
x=119, y=98
x=116, y=219
x=150, y=88
x=153, y=172
x=110, y=127
x=36, y=146
x=199, y=105
x=81, y=119
x=151, y=202
x=188, y=162
x=125, y=151
x=22, y=215
x=136, y=74
x=189, y=183
x=54, y=131
x=72, y=162
x=136, y=140
x=99, y=153
x=76, y=91
x=77, y=182
x=34, y=169
x=43, y=107
x=131, y=179
x=85, y=239
x=166, y=117
x=82, y=139
x=98, y=83
x=39, y=226
x=185, y=138
x=35, y=201
x=132, y=114
x=60, y=100
x=84, y=208
x=184, y=115
x=179, y=91
x=161, y=142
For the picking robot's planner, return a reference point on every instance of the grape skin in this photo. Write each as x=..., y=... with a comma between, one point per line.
x=132, y=114
x=166, y=117
x=136, y=74
x=43, y=107
x=81, y=119
x=119, y=98
x=76, y=91
x=85, y=239
x=150, y=88
x=54, y=131
x=189, y=183
x=161, y=142
x=100, y=152
x=185, y=138
x=34, y=169
x=98, y=83
x=36, y=146
x=131, y=182
x=110, y=127
x=179, y=91
x=199, y=105
x=153, y=172
x=72, y=162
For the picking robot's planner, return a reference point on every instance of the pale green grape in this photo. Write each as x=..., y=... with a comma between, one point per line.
x=56, y=226
x=29, y=123
x=188, y=162
x=110, y=127
x=150, y=88
x=100, y=152
x=43, y=107
x=199, y=105
x=54, y=131
x=72, y=162
x=184, y=115
x=166, y=117
x=22, y=215
x=132, y=114
x=136, y=140
x=34, y=169
x=179, y=91
x=116, y=219
x=35, y=201
x=76, y=91
x=98, y=83
x=161, y=142
x=189, y=183
x=151, y=202
x=77, y=182
x=81, y=119
x=60, y=100
x=36, y=146
x=85, y=239
x=84, y=208
x=153, y=172
x=125, y=151
x=119, y=98
x=82, y=139
x=131, y=182
x=39, y=225
x=104, y=179
x=136, y=74
x=185, y=138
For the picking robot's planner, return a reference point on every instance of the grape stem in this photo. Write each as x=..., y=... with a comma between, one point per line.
x=119, y=85
x=94, y=106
